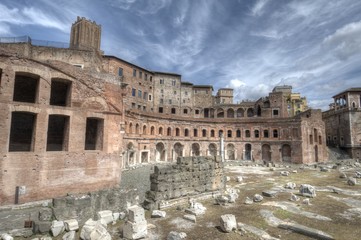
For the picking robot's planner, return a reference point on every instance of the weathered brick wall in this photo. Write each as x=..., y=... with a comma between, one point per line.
x=189, y=176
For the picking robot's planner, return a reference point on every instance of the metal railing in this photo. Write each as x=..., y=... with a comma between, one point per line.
x=35, y=42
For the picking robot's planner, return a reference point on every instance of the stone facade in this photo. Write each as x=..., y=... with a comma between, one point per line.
x=73, y=118
x=343, y=122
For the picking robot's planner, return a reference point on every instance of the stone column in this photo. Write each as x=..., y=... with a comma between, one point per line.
x=221, y=149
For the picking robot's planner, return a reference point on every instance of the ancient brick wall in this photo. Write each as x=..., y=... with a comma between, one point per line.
x=189, y=176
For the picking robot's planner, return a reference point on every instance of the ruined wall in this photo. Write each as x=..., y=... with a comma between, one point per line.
x=189, y=176
x=56, y=160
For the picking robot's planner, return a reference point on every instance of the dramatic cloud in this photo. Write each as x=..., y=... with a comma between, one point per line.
x=251, y=46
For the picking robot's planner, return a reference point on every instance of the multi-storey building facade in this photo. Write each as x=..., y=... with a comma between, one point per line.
x=73, y=118
x=343, y=122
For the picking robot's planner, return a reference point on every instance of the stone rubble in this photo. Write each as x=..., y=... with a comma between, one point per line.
x=294, y=198
x=190, y=217
x=6, y=236
x=228, y=223
x=136, y=226
x=176, y=235
x=284, y=173
x=196, y=209
x=248, y=201
x=69, y=236
x=307, y=190
x=257, y=198
x=158, y=214
x=351, y=181
x=57, y=228
x=290, y=185
x=105, y=216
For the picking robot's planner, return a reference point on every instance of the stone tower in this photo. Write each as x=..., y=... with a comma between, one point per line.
x=85, y=35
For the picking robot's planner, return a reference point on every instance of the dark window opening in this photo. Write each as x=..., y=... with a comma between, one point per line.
x=134, y=72
x=248, y=133
x=25, y=88
x=186, y=132
x=94, y=134
x=22, y=132
x=58, y=129
x=220, y=133
x=160, y=110
x=173, y=111
x=120, y=72
x=265, y=134
x=177, y=132
x=238, y=133
x=60, y=93
x=133, y=92
x=275, y=112
x=204, y=133
x=275, y=133
x=197, y=111
x=185, y=111
x=1, y=73
x=212, y=133
x=256, y=134
x=169, y=131
x=195, y=132
x=229, y=133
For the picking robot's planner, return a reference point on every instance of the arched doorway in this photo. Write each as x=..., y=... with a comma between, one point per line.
x=286, y=153
x=220, y=113
x=248, y=152
x=160, y=152
x=230, y=152
x=178, y=150
x=131, y=153
x=316, y=153
x=212, y=149
x=195, y=150
x=266, y=153
x=230, y=113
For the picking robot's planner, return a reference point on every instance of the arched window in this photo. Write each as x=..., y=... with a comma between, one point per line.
x=256, y=133
x=250, y=112
x=204, y=133
x=230, y=113
x=144, y=129
x=169, y=131
x=265, y=133
x=160, y=131
x=177, y=132
x=152, y=130
x=212, y=133
x=275, y=133
x=220, y=113
x=248, y=134
x=186, y=132
x=137, y=128
x=240, y=112
x=195, y=132
x=238, y=133
x=130, y=128
x=220, y=133
x=319, y=139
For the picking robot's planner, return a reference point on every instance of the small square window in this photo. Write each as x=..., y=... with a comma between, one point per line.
x=133, y=92
x=161, y=81
x=173, y=111
x=160, y=110
x=275, y=112
x=185, y=111
x=197, y=111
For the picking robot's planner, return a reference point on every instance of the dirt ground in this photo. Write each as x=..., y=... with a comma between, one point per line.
x=345, y=223
x=343, y=208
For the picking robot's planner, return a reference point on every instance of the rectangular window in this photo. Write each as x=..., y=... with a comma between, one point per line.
x=150, y=97
x=173, y=82
x=170, y=101
x=25, y=88
x=120, y=72
x=140, y=74
x=197, y=111
x=58, y=133
x=60, y=92
x=133, y=105
x=161, y=81
x=151, y=78
x=275, y=112
x=173, y=111
x=144, y=108
x=145, y=76
x=22, y=132
x=160, y=110
x=185, y=111
x=94, y=134
x=134, y=72
x=140, y=93
x=1, y=73
x=133, y=92
x=195, y=132
x=145, y=95
x=161, y=101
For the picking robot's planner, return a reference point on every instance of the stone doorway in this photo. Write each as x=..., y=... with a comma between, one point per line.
x=230, y=152
x=160, y=152
x=195, y=150
x=266, y=153
x=286, y=153
x=248, y=152
x=178, y=150
x=212, y=149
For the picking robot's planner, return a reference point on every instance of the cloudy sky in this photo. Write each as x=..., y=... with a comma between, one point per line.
x=249, y=45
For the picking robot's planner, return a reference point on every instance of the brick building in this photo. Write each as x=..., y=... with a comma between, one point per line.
x=343, y=122
x=72, y=118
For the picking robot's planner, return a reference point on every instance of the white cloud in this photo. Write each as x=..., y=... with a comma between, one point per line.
x=258, y=8
x=345, y=42
x=122, y=4
x=5, y=29
x=31, y=16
